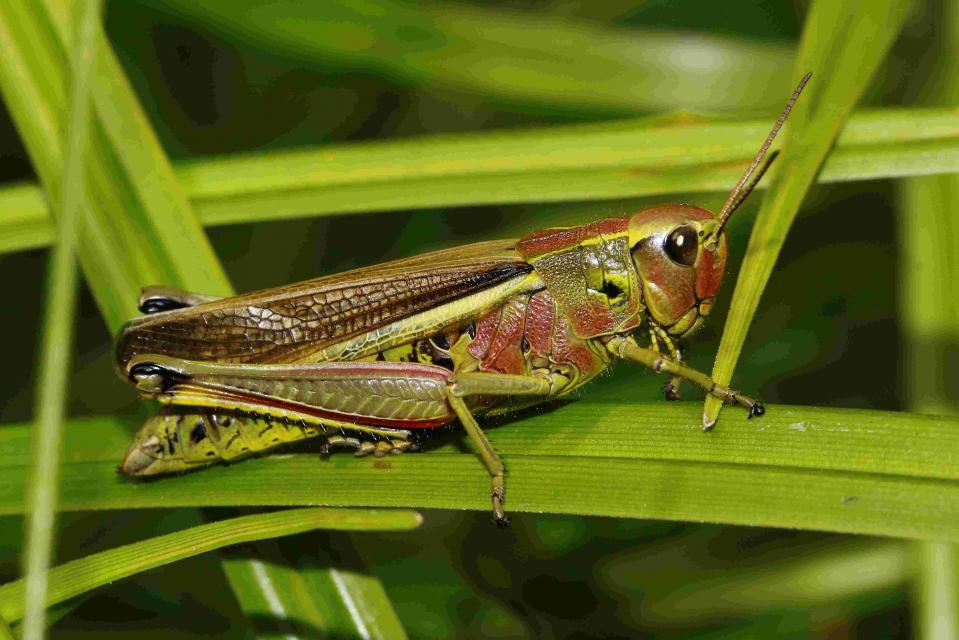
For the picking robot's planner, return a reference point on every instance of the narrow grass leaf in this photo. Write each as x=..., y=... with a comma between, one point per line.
x=328, y=591
x=369, y=606
x=138, y=215
x=552, y=63
x=26, y=221
x=585, y=162
x=82, y=575
x=842, y=44
x=929, y=316
x=279, y=599
x=936, y=567
x=54, y=613
x=801, y=467
x=846, y=570
x=162, y=208
x=43, y=481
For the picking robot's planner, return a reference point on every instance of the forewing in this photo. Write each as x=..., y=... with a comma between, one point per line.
x=287, y=324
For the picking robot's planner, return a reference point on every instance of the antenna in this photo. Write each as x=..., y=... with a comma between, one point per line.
x=752, y=184
x=738, y=194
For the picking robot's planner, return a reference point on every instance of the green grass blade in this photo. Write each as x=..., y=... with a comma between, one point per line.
x=369, y=606
x=54, y=613
x=842, y=48
x=33, y=74
x=57, y=342
x=586, y=162
x=676, y=579
x=929, y=316
x=840, y=470
x=137, y=214
x=267, y=593
x=162, y=206
x=82, y=575
x=829, y=576
x=929, y=310
x=525, y=60
x=296, y=598
x=26, y=222
x=936, y=589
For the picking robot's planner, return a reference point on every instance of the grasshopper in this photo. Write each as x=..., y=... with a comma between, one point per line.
x=376, y=357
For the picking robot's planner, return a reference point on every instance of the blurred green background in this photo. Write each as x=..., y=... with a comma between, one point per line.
x=218, y=80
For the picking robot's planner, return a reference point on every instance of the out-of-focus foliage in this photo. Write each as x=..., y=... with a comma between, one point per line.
x=929, y=312
x=272, y=77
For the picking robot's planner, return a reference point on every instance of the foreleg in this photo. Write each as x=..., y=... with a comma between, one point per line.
x=629, y=350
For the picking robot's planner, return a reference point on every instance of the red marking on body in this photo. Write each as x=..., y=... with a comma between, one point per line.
x=593, y=318
x=549, y=333
x=571, y=262
x=568, y=348
x=709, y=271
x=540, y=318
x=485, y=332
x=362, y=369
x=546, y=241
x=505, y=354
x=669, y=288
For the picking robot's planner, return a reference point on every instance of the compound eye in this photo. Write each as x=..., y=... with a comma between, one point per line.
x=157, y=304
x=681, y=246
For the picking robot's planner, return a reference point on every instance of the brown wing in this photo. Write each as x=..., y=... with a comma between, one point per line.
x=286, y=324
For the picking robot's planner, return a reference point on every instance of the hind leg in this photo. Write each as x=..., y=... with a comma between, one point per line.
x=467, y=384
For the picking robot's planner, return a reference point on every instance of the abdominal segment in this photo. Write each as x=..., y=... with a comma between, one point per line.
x=176, y=440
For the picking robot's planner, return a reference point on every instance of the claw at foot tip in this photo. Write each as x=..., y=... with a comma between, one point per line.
x=757, y=410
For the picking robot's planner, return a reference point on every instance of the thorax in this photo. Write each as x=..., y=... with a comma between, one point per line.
x=528, y=334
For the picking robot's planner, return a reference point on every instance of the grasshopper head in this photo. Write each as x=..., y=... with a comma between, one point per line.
x=680, y=254
x=680, y=251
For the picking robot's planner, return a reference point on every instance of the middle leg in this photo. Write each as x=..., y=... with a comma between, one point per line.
x=656, y=333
